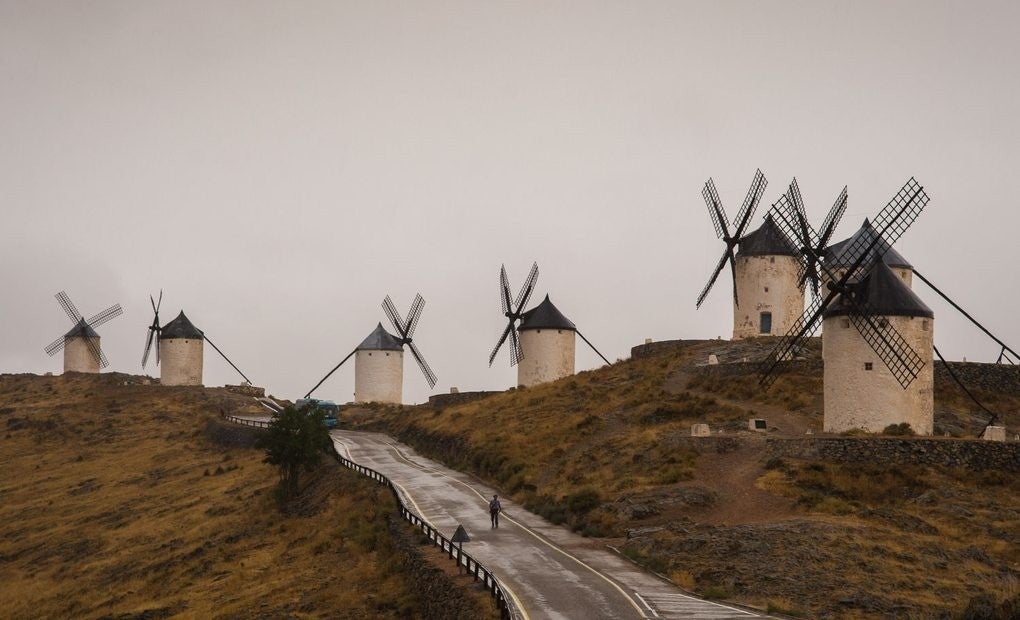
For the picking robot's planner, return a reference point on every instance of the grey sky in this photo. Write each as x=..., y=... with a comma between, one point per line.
x=278, y=168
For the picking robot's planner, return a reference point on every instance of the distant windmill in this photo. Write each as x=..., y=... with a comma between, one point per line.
x=889, y=322
x=542, y=342
x=82, y=351
x=179, y=349
x=379, y=359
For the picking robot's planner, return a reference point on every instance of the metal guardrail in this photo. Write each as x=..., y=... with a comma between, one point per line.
x=507, y=611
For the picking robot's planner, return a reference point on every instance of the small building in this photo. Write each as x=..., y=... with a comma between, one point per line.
x=379, y=368
x=838, y=262
x=81, y=346
x=769, y=297
x=548, y=342
x=181, y=352
x=860, y=392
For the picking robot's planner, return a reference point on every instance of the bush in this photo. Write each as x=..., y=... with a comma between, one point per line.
x=293, y=441
x=899, y=430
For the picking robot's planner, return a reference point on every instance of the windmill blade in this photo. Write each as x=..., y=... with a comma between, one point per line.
x=430, y=376
x=502, y=339
x=794, y=225
x=55, y=346
x=711, y=280
x=148, y=346
x=754, y=194
x=529, y=287
x=413, y=315
x=516, y=352
x=97, y=352
x=890, y=224
x=504, y=290
x=227, y=358
x=715, y=209
x=804, y=327
x=393, y=316
x=157, y=349
x=105, y=316
x=832, y=220
x=330, y=373
x=156, y=305
x=68, y=306
x=898, y=356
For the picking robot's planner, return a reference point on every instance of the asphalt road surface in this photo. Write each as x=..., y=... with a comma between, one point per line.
x=549, y=571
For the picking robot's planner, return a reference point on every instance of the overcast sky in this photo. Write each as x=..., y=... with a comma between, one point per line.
x=277, y=168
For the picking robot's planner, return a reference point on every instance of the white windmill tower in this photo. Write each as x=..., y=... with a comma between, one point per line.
x=870, y=316
x=81, y=345
x=379, y=359
x=767, y=295
x=379, y=368
x=180, y=349
x=543, y=344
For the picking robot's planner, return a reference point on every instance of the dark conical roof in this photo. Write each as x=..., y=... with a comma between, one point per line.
x=545, y=316
x=834, y=258
x=885, y=294
x=768, y=240
x=81, y=329
x=180, y=327
x=380, y=340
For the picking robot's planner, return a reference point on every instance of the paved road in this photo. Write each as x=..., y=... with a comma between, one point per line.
x=549, y=571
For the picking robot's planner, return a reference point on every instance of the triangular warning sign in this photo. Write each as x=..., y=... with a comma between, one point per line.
x=461, y=536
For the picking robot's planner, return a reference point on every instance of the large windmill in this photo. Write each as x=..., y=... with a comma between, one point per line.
x=835, y=261
x=542, y=342
x=180, y=349
x=379, y=359
x=869, y=314
x=82, y=351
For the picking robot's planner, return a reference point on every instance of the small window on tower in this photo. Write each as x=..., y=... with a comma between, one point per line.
x=387, y=355
x=883, y=322
x=772, y=259
x=845, y=323
x=766, y=289
x=765, y=323
x=867, y=366
x=924, y=324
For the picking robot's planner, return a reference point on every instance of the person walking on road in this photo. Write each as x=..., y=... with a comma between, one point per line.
x=494, y=509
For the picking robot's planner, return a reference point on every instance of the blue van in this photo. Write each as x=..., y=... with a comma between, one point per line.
x=330, y=410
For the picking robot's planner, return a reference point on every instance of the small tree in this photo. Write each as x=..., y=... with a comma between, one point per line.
x=294, y=441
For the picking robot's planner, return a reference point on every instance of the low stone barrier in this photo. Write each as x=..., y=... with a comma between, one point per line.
x=457, y=398
x=972, y=454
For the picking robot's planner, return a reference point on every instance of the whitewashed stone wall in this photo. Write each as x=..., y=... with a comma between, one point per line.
x=548, y=355
x=873, y=399
x=181, y=361
x=78, y=357
x=379, y=377
x=766, y=284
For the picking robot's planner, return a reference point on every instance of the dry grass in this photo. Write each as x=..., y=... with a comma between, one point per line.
x=113, y=502
x=851, y=542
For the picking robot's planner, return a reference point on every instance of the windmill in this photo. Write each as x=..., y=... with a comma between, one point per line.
x=812, y=245
x=889, y=323
x=82, y=352
x=379, y=359
x=542, y=344
x=722, y=231
x=180, y=351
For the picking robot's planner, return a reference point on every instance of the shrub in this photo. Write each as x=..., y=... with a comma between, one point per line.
x=583, y=501
x=901, y=429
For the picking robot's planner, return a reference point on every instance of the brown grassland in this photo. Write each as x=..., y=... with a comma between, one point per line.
x=607, y=453
x=122, y=500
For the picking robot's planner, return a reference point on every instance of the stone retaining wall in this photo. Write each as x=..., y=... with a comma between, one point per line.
x=447, y=400
x=973, y=454
x=246, y=390
x=659, y=348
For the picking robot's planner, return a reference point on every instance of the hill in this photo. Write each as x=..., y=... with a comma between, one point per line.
x=125, y=500
x=609, y=453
